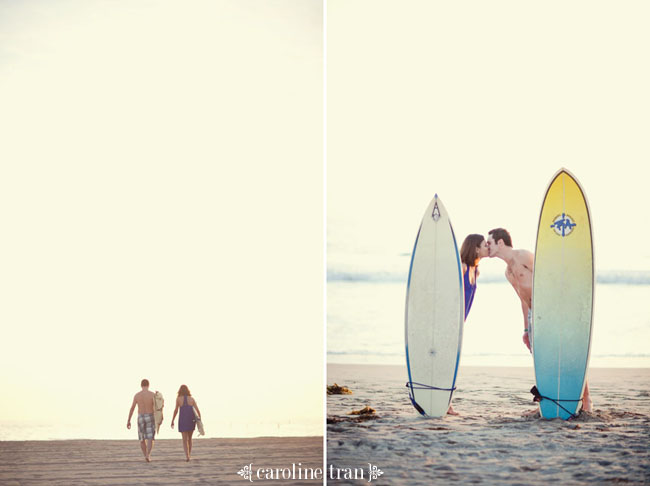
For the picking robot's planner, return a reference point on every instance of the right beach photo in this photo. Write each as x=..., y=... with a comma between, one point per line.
x=487, y=266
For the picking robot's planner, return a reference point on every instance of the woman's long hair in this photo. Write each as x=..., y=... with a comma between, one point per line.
x=183, y=390
x=468, y=250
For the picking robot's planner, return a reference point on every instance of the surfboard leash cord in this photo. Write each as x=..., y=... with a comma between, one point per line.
x=538, y=397
x=411, y=385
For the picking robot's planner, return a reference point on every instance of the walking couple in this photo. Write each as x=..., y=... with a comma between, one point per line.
x=150, y=417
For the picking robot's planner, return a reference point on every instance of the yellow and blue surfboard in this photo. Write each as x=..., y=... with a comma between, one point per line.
x=563, y=295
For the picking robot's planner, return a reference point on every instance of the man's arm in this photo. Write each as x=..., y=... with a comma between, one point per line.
x=526, y=338
x=525, y=309
x=530, y=263
x=128, y=422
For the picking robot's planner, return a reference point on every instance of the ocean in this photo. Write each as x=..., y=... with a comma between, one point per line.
x=365, y=315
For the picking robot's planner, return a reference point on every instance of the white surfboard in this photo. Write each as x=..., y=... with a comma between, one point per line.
x=159, y=403
x=563, y=291
x=434, y=313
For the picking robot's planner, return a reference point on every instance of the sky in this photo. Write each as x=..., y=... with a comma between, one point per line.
x=482, y=103
x=148, y=208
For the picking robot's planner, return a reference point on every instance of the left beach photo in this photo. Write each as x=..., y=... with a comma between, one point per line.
x=162, y=282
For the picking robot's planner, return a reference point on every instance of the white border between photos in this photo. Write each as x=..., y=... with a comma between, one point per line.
x=324, y=241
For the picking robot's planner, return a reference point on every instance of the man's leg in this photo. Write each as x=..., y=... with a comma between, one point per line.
x=587, y=404
x=143, y=446
x=149, y=449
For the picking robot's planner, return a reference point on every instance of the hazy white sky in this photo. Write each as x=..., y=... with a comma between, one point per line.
x=482, y=103
x=151, y=223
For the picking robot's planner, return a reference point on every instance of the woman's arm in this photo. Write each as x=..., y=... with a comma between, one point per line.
x=175, y=412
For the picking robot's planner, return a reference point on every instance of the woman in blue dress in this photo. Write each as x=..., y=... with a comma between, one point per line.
x=186, y=404
x=471, y=251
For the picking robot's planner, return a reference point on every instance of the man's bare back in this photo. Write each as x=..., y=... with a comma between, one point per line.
x=145, y=401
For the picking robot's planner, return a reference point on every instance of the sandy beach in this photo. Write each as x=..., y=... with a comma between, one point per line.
x=491, y=441
x=108, y=462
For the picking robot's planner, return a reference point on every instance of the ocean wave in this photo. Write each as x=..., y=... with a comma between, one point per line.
x=364, y=352
x=596, y=355
x=351, y=276
x=606, y=278
x=624, y=277
x=479, y=355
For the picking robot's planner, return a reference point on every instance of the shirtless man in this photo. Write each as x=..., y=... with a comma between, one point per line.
x=144, y=399
x=519, y=272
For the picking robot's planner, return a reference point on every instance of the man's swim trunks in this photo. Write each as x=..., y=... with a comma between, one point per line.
x=146, y=426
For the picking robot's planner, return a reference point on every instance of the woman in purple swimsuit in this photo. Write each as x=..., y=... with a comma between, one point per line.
x=186, y=403
x=471, y=251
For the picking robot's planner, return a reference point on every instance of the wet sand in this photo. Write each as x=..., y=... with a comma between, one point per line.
x=114, y=462
x=492, y=441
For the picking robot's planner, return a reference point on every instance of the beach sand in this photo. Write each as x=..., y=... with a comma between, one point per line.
x=116, y=462
x=491, y=441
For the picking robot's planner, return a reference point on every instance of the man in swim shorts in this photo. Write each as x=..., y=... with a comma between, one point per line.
x=144, y=399
x=519, y=272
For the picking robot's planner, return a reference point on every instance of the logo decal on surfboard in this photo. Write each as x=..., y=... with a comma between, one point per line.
x=563, y=225
x=436, y=213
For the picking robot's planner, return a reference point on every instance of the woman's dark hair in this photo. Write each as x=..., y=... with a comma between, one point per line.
x=183, y=390
x=468, y=254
